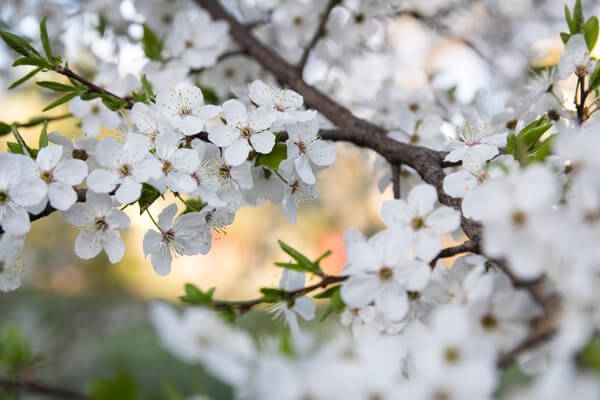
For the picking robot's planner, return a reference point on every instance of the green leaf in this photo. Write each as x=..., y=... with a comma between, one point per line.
x=578, y=19
x=193, y=295
x=564, y=36
x=292, y=266
x=102, y=24
x=45, y=40
x=590, y=356
x=336, y=303
x=595, y=78
x=322, y=256
x=90, y=95
x=210, y=96
x=590, y=31
x=4, y=129
x=19, y=44
x=148, y=196
x=26, y=150
x=194, y=204
x=121, y=387
x=543, y=150
x=301, y=259
x=25, y=78
x=530, y=137
x=151, y=44
x=60, y=101
x=14, y=148
x=35, y=61
x=43, y=142
x=113, y=103
x=274, y=158
x=59, y=87
x=569, y=19
x=147, y=89
x=15, y=349
x=170, y=392
x=271, y=295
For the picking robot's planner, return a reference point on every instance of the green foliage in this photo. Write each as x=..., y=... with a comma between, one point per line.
x=15, y=349
x=121, y=387
x=336, y=304
x=590, y=31
x=26, y=150
x=4, y=129
x=194, y=204
x=193, y=295
x=578, y=25
x=303, y=264
x=150, y=96
x=25, y=78
x=590, y=356
x=43, y=141
x=210, y=96
x=148, y=196
x=594, y=81
x=274, y=158
x=60, y=101
x=20, y=45
x=271, y=295
x=151, y=44
x=525, y=146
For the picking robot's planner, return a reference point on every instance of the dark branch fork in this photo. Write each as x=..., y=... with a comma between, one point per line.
x=428, y=163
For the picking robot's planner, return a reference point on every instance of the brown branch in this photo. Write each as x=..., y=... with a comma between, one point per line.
x=396, y=177
x=530, y=342
x=470, y=246
x=40, y=120
x=318, y=35
x=91, y=86
x=41, y=389
x=242, y=307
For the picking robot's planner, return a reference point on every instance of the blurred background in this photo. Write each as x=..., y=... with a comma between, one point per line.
x=89, y=318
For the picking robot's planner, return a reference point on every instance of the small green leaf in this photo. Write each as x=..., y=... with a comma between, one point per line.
x=148, y=196
x=113, y=103
x=60, y=101
x=170, y=392
x=210, y=96
x=90, y=95
x=59, y=87
x=274, y=158
x=564, y=36
x=194, y=204
x=102, y=24
x=271, y=295
x=147, y=89
x=43, y=142
x=531, y=136
x=292, y=266
x=590, y=356
x=14, y=148
x=543, y=150
x=19, y=44
x=121, y=387
x=34, y=61
x=151, y=44
x=193, y=295
x=25, y=78
x=300, y=258
x=26, y=150
x=569, y=19
x=578, y=19
x=590, y=31
x=336, y=303
x=15, y=349
x=45, y=40
x=4, y=129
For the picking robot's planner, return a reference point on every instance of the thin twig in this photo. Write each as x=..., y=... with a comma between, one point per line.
x=396, y=176
x=31, y=386
x=37, y=121
x=318, y=35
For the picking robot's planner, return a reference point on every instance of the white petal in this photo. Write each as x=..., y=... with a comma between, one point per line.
x=113, y=247
x=135, y=149
x=165, y=218
x=71, y=172
x=321, y=153
x=304, y=170
x=396, y=213
x=79, y=215
x=88, y=244
x=61, y=196
x=237, y=153
x=413, y=275
x=181, y=182
x=305, y=307
x=443, y=220
x=392, y=302
x=102, y=181
x=108, y=152
x=129, y=191
x=260, y=93
x=234, y=112
x=426, y=244
x=422, y=198
x=263, y=142
x=16, y=222
x=359, y=290
x=48, y=157
x=151, y=241
x=186, y=160
x=222, y=135
x=29, y=192
x=161, y=259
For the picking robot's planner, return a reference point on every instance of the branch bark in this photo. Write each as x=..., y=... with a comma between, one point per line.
x=40, y=389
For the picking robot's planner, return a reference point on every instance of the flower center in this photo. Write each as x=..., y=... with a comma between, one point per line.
x=100, y=224
x=168, y=236
x=225, y=171
x=452, y=355
x=414, y=138
x=184, y=111
x=386, y=274
x=298, y=20
x=519, y=219
x=3, y=197
x=188, y=44
x=489, y=322
x=581, y=70
x=441, y=395
x=80, y=154
x=414, y=107
x=125, y=170
x=95, y=110
x=229, y=73
x=246, y=132
x=301, y=147
x=167, y=166
x=47, y=177
x=417, y=223
x=413, y=296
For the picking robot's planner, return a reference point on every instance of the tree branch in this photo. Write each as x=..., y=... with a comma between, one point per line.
x=318, y=35
x=41, y=389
